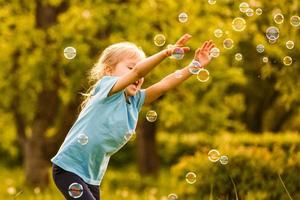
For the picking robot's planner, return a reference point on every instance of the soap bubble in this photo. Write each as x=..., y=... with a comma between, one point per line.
x=238, y=24
x=228, y=43
x=11, y=190
x=191, y=177
x=195, y=67
x=287, y=60
x=37, y=190
x=211, y=2
x=178, y=53
x=214, y=52
x=295, y=21
x=203, y=75
x=224, y=160
x=172, y=196
x=278, y=18
x=258, y=11
x=218, y=33
x=289, y=44
x=159, y=40
x=238, y=56
x=183, y=17
x=265, y=59
x=75, y=190
x=178, y=74
x=69, y=53
x=86, y=14
x=82, y=139
x=213, y=155
x=260, y=48
x=130, y=135
x=272, y=33
x=244, y=6
x=249, y=12
x=151, y=116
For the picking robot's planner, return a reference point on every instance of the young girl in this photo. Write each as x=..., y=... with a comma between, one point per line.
x=110, y=112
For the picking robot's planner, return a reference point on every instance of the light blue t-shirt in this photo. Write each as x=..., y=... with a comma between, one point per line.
x=101, y=129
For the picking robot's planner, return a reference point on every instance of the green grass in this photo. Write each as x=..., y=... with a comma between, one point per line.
x=252, y=172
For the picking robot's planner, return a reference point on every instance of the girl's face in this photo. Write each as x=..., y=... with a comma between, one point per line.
x=122, y=68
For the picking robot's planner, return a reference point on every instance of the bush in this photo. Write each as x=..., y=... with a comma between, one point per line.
x=254, y=164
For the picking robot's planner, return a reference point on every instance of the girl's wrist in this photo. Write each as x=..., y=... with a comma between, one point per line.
x=195, y=66
x=167, y=52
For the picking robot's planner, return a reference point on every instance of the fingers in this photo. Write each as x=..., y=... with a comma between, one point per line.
x=204, y=45
x=208, y=45
x=212, y=45
x=185, y=49
x=183, y=40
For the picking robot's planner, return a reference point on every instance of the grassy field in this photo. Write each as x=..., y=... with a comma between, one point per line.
x=261, y=167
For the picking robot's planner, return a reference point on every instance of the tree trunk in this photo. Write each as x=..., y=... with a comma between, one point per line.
x=148, y=162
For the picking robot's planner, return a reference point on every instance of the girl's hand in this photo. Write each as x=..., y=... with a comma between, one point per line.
x=180, y=43
x=202, y=54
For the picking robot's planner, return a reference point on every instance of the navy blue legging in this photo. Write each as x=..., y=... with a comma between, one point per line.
x=63, y=179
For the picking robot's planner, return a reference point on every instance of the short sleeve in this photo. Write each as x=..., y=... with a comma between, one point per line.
x=104, y=85
x=139, y=99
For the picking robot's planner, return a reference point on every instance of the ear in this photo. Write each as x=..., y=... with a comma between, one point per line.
x=107, y=70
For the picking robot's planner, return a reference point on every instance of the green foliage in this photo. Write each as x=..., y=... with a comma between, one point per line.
x=254, y=165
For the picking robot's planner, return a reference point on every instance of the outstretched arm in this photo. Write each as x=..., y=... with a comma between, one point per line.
x=171, y=81
x=142, y=68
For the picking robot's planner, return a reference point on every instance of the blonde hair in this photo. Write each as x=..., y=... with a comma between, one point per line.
x=107, y=62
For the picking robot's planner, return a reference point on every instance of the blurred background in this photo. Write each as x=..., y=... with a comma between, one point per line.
x=248, y=109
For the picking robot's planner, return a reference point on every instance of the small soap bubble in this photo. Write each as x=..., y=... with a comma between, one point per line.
x=11, y=190
x=37, y=190
x=295, y=21
x=289, y=44
x=214, y=155
x=212, y=2
x=172, y=196
x=260, y=48
x=195, y=67
x=278, y=18
x=178, y=74
x=214, y=52
x=75, y=190
x=249, y=12
x=178, y=53
x=69, y=53
x=224, y=160
x=287, y=60
x=272, y=33
x=243, y=7
x=183, y=17
x=130, y=135
x=228, y=43
x=218, y=33
x=82, y=139
x=191, y=177
x=86, y=14
x=238, y=56
x=203, y=75
x=159, y=40
x=258, y=11
x=265, y=59
x=151, y=116
x=238, y=24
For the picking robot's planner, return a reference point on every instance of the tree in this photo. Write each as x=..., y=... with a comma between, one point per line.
x=40, y=88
